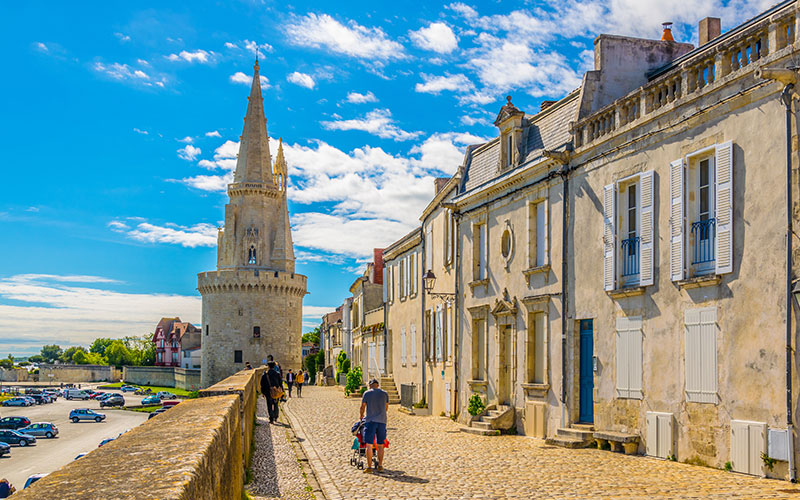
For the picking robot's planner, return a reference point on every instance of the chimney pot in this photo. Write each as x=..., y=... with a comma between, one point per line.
x=708, y=30
x=546, y=104
x=666, y=36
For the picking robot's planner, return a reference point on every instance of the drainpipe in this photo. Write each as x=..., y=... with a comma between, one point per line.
x=789, y=77
x=423, y=353
x=563, y=157
x=456, y=353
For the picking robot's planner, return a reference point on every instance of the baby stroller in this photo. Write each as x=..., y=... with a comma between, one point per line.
x=359, y=447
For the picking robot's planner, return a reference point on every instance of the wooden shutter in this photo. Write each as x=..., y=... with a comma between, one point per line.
x=438, y=332
x=403, y=345
x=609, y=237
x=413, y=344
x=676, y=243
x=482, y=252
x=646, y=229
x=651, y=434
x=385, y=284
x=450, y=332
x=414, y=273
x=542, y=254
x=748, y=441
x=635, y=358
x=700, y=355
x=724, y=208
x=623, y=383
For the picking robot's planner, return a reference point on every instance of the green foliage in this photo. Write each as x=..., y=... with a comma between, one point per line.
x=36, y=358
x=728, y=466
x=100, y=345
x=80, y=358
x=142, y=350
x=7, y=364
x=312, y=336
x=768, y=461
x=194, y=395
x=354, y=378
x=51, y=353
x=118, y=354
x=342, y=364
x=320, y=360
x=420, y=404
x=672, y=458
x=476, y=405
x=68, y=353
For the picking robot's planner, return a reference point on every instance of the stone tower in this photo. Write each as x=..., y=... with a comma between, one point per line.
x=253, y=302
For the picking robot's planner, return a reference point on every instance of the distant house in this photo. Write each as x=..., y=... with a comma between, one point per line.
x=309, y=348
x=172, y=337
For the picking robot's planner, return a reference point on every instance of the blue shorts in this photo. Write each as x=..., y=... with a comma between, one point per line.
x=373, y=430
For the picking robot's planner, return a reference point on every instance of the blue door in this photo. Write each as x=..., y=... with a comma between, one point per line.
x=586, y=412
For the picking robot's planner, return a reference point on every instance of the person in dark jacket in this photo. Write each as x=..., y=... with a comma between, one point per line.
x=290, y=381
x=271, y=378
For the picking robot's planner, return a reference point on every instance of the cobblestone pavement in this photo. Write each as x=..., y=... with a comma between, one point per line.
x=429, y=458
x=277, y=466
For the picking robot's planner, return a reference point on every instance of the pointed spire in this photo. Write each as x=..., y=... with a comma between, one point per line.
x=280, y=171
x=254, y=163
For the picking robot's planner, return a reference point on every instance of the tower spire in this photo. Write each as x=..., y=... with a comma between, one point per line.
x=280, y=170
x=254, y=163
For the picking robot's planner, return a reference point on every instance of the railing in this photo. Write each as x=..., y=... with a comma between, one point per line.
x=408, y=395
x=630, y=256
x=692, y=76
x=703, y=236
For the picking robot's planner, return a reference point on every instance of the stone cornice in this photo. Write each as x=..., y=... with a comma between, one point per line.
x=272, y=282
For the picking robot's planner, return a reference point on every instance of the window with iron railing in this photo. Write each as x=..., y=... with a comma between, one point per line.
x=630, y=257
x=704, y=227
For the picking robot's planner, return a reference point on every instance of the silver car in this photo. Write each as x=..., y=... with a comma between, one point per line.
x=41, y=429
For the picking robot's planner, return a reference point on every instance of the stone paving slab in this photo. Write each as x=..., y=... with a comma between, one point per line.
x=277, y=466
x=428, y=458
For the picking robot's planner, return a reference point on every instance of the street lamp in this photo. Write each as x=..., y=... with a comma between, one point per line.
x=429, y=281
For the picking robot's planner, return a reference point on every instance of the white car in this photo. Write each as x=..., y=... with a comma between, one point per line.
x=166, y=395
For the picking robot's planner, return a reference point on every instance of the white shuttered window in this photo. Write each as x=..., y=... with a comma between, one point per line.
x=629, y=357
x=438, y=331
x=701, y=355
x=676, y=174
x=724, y=208
x=403, y=346
x=609, y=237
x=413, y=344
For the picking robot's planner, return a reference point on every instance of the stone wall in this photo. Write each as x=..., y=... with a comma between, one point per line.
x=204, y=458
x=15, y=375
x=164, y=376
x=78, y=373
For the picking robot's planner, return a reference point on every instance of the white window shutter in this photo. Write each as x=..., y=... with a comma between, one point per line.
x=651, y=435
x=438, y=333
x=415, y=274
x=545, y=207
x=724, y=215
x=413, y=344
x=635, y=358
x=406, y=277
x=622, y=358
x=692, y=355
x=708, y=350
x=403, y=345
x=676, y=243
x=646, y=229
x=609, y=237
x=385, y=284
x=450, y=332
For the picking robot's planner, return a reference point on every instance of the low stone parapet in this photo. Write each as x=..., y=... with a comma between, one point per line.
x=617, y=441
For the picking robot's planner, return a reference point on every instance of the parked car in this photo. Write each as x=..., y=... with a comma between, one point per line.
x=141, y=392
x=18, y=401
x=157, y=412
x=14, y=423
x=5, y=449
x=33, y=479
x=40, y=429
x=114, y=400
x=16, y=437
x=166, y=395
x=151, y=400
x=169, y=404
x=106, y=396
x=96, y=394
x=79, y=414
x=39, y=398
x=128, y=388
x=76, y=394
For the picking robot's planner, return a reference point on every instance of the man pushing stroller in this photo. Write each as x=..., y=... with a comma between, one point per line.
x=374, y=406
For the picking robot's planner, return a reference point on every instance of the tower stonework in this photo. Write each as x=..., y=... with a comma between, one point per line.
x=253, y=302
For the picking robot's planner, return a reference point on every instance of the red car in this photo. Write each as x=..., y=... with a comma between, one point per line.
x=95, y=394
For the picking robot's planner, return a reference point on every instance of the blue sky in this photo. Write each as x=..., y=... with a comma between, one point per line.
x=125, y=117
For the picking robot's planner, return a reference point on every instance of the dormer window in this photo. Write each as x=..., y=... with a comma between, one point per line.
x=509, y=150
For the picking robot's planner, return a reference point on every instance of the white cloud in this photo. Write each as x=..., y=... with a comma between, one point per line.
x=140, y=131
x=199, y=55
x=356, y=98
x=323, y=31
x=251, y=47
x=198, y=235
x=230, y=45
x=213, y=133
x=213, y=183
x=240, y=77
x=378, y=122
x=302, y=79
x=32, y=209
x=436, y=84
x=42, y=47
x=186, y=140
x=124, y=72
x=189, y=153
x=55, y=310
x=463, y=9
x=320, y=231
x=445, y=152
x=437, y=37
x=474, y=120
x=122, y=37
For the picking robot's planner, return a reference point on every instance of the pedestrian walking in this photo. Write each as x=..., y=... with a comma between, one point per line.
x=374, y=408
x=247, y=365
x=298, y=382
x=272, y=389
x=289, y=381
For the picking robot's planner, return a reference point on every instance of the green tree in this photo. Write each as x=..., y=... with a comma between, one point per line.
x=7, y=364
x=80, y=357
x=36, y=358
x=67, y=355
x=320, y=360
x=100, y=345
x=51, y=352
x=312, y=336
x=94, y=359
x=142, y=349
x=118, y=354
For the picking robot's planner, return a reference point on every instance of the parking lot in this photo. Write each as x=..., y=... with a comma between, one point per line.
x=48, y=455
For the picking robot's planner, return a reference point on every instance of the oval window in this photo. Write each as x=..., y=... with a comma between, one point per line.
x=505, y=244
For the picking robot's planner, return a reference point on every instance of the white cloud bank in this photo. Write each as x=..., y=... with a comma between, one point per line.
x=301, y=79
x=378, y=122
x=437, y=37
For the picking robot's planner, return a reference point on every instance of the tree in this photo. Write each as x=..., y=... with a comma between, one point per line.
x=312, y=336
x=7, y=364
x=94, y=359
x=118, y=354
x=320, y=360
x=51, y=353
x=100, y=345
x=80, y=357
x=67, y=355
x=142, y=349
x=36, y=358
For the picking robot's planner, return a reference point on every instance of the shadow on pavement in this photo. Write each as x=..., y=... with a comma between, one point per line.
x=401, y=477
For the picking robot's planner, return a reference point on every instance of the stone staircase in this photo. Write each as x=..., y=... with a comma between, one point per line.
x=388, y=385
x=490, y=423
x=576, y=436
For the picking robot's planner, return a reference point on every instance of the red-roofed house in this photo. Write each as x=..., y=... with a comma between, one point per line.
x=171, y=338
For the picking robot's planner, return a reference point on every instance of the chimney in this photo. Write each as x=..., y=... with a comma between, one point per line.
x=708, y=30
x=377, y=268
x=439, y=183
x=546, y=104
x=666, y=36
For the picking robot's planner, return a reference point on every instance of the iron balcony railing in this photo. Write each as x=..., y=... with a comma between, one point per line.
x=703, y=236
x=630, y=256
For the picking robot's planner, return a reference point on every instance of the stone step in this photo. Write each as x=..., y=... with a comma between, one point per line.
x=479, y=432
x=584, y=427
x=566, y=442
x=574, y=433
x=479, y=424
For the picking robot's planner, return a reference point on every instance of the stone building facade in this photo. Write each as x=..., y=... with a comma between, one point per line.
x=367, y=319
x=252, y=303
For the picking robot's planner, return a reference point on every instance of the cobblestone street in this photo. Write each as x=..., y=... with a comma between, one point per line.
x=429, y=458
